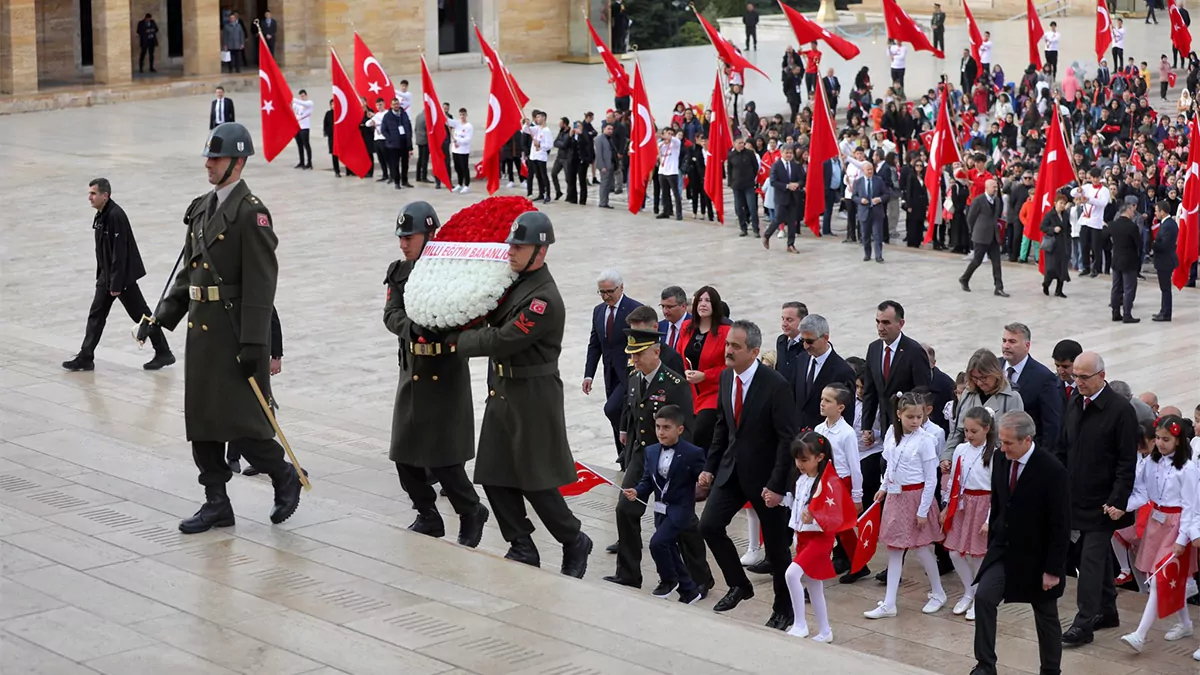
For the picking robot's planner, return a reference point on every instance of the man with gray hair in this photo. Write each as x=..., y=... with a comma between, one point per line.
x=1140, y=408
x=1126, y=239
x=1040, y=392
x=985, y=237
x=817, y=367
x=607, y=345
x=1028, y=538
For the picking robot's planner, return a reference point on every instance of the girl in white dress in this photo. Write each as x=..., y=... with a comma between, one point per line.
x=967, y=522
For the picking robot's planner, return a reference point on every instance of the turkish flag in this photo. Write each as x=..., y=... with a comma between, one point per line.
x=1189, y=229
x=1171, y=583
x=494, y=62
x=943, y=152
x=643, y=148
x=725, y=49
x=347, y=139
x=868, y=536
x=1036, y=33
x=1055, y=172
x=808, y=31
x=279, y=125
x=1181, y=37
x=764, y=166
x=1103, y=29
x=955, y=489
x=370, y=81
x=435, y=126
x=1136, y=160
x=976, y=39
x=901, y=27
x=503, y=119
x=585, y=480
x=720, y=142
x=927, y=138
x=1171, y=79
x=822, y=148
x=831, y=505
x=617, y=76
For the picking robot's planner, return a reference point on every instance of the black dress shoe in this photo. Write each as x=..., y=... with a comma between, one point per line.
x=1059, y=294
x=612, y=548
x=780, y=621
x=1107, y=621
x=1076, y=636
x=999, y=293
x=744, y=233
x=159, y=361
x=216, y=512
x=703, y=590
x=664, y=589
x=235, y=466
x=855, y=576
x=523, y=550
x=250, y=471
x=761, y=567
x=470, y=527
x=1116, y=317
x=963, y=284
x=77, y=364
x=1160, y=317
x=1131, y=319
x=690, y=597
x=840, y=565
x=733, y=598
x=623, y=581
x=575, y=556
x=287, y=494
x=881, y=577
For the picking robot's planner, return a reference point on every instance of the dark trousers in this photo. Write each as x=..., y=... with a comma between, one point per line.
x=786, y=218
x=1091, y=242
x=135, y=306
x=706, y=423
x=751, y=36
x=614, y=400
x=304, y=147
x=368, y=136
x=1177, y=58
x=400, y=159
x=1012, y=240
x=988, y=597
x=1163, y=86
x=237, y=59
x=422, y=162
x=666, y=550
x=337, y=166
x=577, y=183
x=629, y=536
x=832, y=198
x=1052, y=61
x=992, y=251
x=1124, y=290
x=508, y=505
x=1164, y=286
x=1118, y=55
x=264, y=454
x=382, y=154
x=462, y=169
x=939, y=39
x=898, y=75
x=392, y=155
x=745, y=204
x=146, y=49
x=851, y=221
x=670, y=188
x=870, y=231
x=453, y=480
x=537, y=168
x=1096, y=595
x=872, y=476
x=559, y=165
x=724, y=502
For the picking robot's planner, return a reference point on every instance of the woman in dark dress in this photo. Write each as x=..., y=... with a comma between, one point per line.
x=916, y=203
x=960, y=237
x=1056, y=236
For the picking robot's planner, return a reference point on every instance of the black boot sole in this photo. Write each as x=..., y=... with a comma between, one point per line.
x=473, y=541
x=197, y=530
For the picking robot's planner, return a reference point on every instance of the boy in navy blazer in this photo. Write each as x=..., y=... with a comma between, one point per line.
x=672, y=468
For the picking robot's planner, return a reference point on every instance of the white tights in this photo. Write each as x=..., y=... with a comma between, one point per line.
x=967, y=568
x=896, y=568
x=1151, y=612
x=797, y=582
x=1122, y=553
x=753, y=527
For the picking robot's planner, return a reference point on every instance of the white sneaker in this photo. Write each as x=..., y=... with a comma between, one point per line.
x=826, y=638
x=798, y=630
x=962, y=606
x=780, y=235
x=456, y=189
x=753, y=557
x=464, y=190
x=511, y=184
x=1196, y=655
x=971, y=612
x=935, y=603
x=1135, y=642
x=880, y=612
x=1178, y=632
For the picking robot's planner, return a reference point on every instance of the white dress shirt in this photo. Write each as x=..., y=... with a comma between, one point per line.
x=800, y=500
x=1017, y=369
x=935, y=432
x=303, y=110
x=1118, y=35
x=405, y=100
x=664, y=463
x=845, y=454
x=463, y=133
x=377, y=125
x=540, y=143
x=678, y=326
x=1164, y=485
x=819, y=362
x=219, y=110
x=973, y=475
x=985, y=52
x=899, y=55
x=668, y=157
x=883, y=353
x=1023, y=461
x=913, y=461
x=746, y=377
x=1051, y=37
x=1092, y=214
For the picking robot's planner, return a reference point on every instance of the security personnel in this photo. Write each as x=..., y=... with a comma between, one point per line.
x=523, y=450
x=651, y=387
x=227, y=290
x=434, y=384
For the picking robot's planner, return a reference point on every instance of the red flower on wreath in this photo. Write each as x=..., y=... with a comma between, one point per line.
x=488, y=221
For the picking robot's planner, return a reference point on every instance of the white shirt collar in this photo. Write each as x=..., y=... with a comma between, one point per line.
x=1019, y=367
x=1092, y=398
x=650, y=377
x=747, y=376
x=822, y=358
x=1023, y=460
x=895, y=344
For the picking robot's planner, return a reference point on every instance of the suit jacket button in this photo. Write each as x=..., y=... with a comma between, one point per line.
x=492, y=392
x=643, y=405
x=189, y=324
x=205, y=265
x=193, y=265
x=643, y=444
x=435, y=378
x=203, y=326
x=416, y=377
x=220, y=237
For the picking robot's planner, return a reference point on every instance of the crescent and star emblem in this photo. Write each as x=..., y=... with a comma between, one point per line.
x=644, y=114
x=432, y=107
x=863, y=536
x=1175, y=562
x=1103, y=11
x=341, y=98
x=268, y=106
x=371, y=60
x=494, y=113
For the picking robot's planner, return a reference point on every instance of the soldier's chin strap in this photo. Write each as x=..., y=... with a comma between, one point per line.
x=228, y=170
x=427, y=236
x=536, y=250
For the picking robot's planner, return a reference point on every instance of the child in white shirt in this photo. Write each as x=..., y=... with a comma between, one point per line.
x=811, y=566
x=966, y=532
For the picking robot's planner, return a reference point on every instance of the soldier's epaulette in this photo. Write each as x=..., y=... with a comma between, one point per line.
x=255, y=202
x=391, y=271
x=673, y=377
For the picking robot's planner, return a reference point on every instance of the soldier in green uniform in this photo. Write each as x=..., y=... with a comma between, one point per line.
x=651, y=387
x=227, y=290
x=434, y=385
x=523, y=450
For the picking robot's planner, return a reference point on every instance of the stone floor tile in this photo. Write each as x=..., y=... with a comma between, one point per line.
x=14, y=560
x=186, y=592
x=224, y=646
x=26, y=658
x=90, y=594
x=154, y=660
x=422, y=625
x=21, y=600
x=71, y=548
x=75, y=634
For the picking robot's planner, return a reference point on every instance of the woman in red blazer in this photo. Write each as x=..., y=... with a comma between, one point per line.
x=702, y=344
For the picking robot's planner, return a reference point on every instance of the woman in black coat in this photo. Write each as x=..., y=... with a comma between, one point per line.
x=960, y=236
x=916, y=202
x=1056, y=235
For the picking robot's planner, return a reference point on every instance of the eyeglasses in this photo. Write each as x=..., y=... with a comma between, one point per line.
x=809, y=341
x=1079, y=377
x=606, y=292
x=667, y=308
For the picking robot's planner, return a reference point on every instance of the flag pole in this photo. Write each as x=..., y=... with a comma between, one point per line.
x=1156, y=571
x=606, y=480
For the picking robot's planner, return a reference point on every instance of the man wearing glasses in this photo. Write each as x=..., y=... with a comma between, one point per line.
x=817, y=367
x=674, y=304
x=607, y=346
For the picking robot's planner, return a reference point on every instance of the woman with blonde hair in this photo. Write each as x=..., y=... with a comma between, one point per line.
x=987, y=387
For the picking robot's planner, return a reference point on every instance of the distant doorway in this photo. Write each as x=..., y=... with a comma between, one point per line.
x=85, y=33
x=175, y=28
x=453, y=25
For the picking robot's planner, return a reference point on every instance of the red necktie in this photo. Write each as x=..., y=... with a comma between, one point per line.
x=608, y=324
x=1070, y=390
x=1086, y=401
x=887, y=362
x=671, y=340
x=737, y=401
x=1012, y=477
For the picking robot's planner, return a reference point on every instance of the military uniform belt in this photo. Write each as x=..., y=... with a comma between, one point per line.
x=524, y=372
x=213, y=293
x=430, y=348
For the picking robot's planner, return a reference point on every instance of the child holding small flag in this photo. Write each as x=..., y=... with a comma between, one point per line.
x=1167, y=483
x=969, y=503
x=1125, y=539
x=844, y=443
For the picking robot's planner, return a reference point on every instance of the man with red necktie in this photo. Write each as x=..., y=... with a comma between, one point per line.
x=607, y=347
x=895, y=363
x=1064, y=355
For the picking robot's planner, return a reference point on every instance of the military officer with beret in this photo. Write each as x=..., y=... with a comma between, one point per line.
x=651, y=387
x=434, y=385
x=523, y=450
x=227, y=290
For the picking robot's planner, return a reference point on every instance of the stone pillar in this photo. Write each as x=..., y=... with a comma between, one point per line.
x=580, y=47
x=202, y=37
x=827, y=13
x=18, y=47
x=113, y=64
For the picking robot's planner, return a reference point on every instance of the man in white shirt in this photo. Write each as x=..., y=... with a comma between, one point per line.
x=376, y=123
x=405, y=96
x=668, y=174
x=303, y=109
x=1052, y=37
x=985, y=54
x=541, y=139
x=221, y=110
x=899, y=56
x=1096, y=197
x=460, y=149
x=1118, y=45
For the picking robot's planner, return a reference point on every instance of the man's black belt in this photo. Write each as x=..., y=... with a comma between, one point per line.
x=524, y=372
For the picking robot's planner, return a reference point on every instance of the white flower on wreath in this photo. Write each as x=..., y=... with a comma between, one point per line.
x=447, y=293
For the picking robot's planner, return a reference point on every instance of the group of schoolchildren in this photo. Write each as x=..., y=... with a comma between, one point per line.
x=1167, y=485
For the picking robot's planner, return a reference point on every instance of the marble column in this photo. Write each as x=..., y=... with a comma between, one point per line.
x=580, y=47
x=18, y=47
x=202, y=37
x=111, y=58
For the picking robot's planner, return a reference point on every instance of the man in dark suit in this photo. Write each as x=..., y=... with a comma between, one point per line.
x=1126, y=241
x=221, y=109
x=817, y=367
x=788, y=346
x=982, y=217
x=869, y=197
x=750, y=461
x=968, y=72
x=147, y=32
x=942, y=386
x=674, y=305
x=1039, y=388
x=1029, y=533
x=1165, y=257
x=895, y=363
x=787, y=179
x=1098, y=445
x=833, y=88
x=270, y=30
x=607, y=344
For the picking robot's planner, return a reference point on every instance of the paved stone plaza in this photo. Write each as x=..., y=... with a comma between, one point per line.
x=95, y=470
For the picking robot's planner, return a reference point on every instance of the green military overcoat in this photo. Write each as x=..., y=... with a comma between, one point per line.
x=433, y=420
x=218, y=403
x=523, y=441
x=642, y=403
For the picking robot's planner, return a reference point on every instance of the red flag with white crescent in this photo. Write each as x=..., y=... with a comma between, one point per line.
x=435, y=126
x=720, y=142
x=616, y=72
x=725, y=49
x=494, y=62
x=975, y=37
x=1055, y=172
x=1189, y=225
x=585, y=480
x=808, y=31
x=348, y=142
x=831, y=505
x=868, y=536
x=643, y=144
x=503, y=118
x=279, y=124
x=943, y=152
x=1103, y=29
x=901, y=27
x=1036, y=33
x=955, y=489
x=1170, y=580
x=1181, y=37
x=370, y=81
x=822, y=148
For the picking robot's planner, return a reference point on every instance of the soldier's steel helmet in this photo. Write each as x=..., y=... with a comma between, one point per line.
x=416, y=218
x=229, y=140
x=531, y=227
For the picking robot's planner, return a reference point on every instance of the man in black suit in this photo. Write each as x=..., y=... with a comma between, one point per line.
x=817, y=367
x=607, y=344
x=221, y=110
x=968, y=72
x=942, y=386
x=1126, y=241
x=147, y=32
x=787, y=179
x=750, y=461
x=788, y=346
x=833, y=88
x=895, y=363
x=1098, y=445
x=869, y=197
x=270, y=30
x=1165, y=257
x=982, y=217
x=1029, y=533
x=1039, y=388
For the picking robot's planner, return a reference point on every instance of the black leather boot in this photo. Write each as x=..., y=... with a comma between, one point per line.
x=287, y=494
x=523, y=550
x=575, y=556
x=215, y=512
x=470, y=526
x=429, y=522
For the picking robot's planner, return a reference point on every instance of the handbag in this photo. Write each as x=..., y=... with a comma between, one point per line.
x=1049, y=244
x=225, y=56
